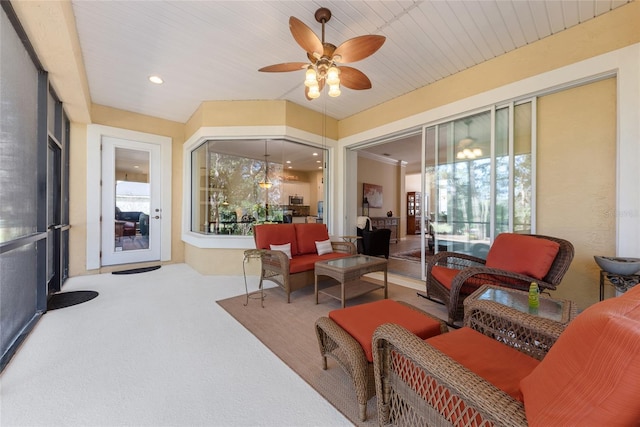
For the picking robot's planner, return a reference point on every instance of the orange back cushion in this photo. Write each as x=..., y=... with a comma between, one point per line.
x=528, y=255
x=307, y=236
x=591, y=376
x=275, y=234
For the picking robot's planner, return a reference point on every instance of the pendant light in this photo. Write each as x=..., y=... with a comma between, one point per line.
x=265, y=183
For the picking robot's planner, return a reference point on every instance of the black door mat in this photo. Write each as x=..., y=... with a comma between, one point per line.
x=67, y=299
x=137, y=270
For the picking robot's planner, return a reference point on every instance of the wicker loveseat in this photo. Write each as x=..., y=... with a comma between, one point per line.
x=590, y=376
x=296, y=272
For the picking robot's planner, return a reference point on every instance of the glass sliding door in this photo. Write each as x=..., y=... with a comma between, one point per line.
x=523, y=197
x=479, y=172
x=463, y=189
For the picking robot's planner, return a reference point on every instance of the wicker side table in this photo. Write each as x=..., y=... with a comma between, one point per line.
x=504, y=314
x=250, y=254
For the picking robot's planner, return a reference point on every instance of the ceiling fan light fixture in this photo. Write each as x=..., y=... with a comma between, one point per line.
x=311, y=77
x=333, y=75
x=314, y=91
x=334, y=90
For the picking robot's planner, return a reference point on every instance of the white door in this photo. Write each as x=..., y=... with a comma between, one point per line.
x=131, y=201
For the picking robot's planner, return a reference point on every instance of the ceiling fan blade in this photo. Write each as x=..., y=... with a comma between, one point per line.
x=354, y=79
x=305, y=37
x=287, y=66
x=358, y=48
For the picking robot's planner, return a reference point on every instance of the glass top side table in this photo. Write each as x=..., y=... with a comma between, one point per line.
x=250, y=254
x=553, y=309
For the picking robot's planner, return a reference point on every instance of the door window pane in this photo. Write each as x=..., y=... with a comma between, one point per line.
x=133, y=200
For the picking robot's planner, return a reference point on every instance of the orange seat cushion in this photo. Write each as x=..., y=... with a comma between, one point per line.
x=497, y=363
x=591, y=375
x=307, y=262
x=446, y=275
x=308, y=234
x=528, y=255
x=361, y=321
x=275, y=234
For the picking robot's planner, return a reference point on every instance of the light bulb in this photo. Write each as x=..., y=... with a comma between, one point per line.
x=334, y=90
x=460, y=155
x=314, y=92
x=477, y=152
x=333, y=76
x=310, y=77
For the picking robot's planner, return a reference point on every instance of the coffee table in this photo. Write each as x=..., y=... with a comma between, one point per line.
x=348, y=271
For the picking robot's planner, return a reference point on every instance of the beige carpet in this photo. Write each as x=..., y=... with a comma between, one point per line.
x=288, y=330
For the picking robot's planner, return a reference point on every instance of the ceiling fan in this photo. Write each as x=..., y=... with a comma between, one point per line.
x=324, y=58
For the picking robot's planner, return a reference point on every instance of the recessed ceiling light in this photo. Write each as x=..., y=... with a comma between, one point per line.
x=288, y=162
x=156, y=79
x=290, y=167
x=315, y=154
x=318, y=161
x=136, y=166
x=319, y=167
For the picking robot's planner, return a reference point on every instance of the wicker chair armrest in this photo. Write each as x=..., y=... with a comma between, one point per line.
x=344, y=247
x=529, y=334
x=478, y=396
x=275, y=261
x=454, y=259
x=497, y=277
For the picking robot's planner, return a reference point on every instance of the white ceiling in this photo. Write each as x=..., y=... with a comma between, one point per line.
x=212, y=50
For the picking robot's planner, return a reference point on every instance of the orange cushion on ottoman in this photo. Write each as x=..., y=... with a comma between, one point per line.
x=360, y=321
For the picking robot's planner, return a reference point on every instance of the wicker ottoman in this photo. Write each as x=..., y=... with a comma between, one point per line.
x=346, y=335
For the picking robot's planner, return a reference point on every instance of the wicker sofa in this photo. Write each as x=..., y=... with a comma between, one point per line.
x=590, y=375
x=298, y=271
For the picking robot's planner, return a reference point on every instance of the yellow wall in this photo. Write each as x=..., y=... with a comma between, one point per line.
x=576, y=194
x=260, y=113
x=373, y=172
x=78, y=199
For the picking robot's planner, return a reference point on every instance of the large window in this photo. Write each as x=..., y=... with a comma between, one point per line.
x=238, y=183
x=479, y=173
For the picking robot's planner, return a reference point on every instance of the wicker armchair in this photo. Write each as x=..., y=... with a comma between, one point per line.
x=417, y=384
x=541, y=372
x=467, y=273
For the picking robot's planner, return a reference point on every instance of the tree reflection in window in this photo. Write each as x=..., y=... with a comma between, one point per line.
x=226, y=196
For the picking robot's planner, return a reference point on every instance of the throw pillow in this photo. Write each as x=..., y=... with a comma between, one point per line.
x=286, y=248
x=324, y=247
